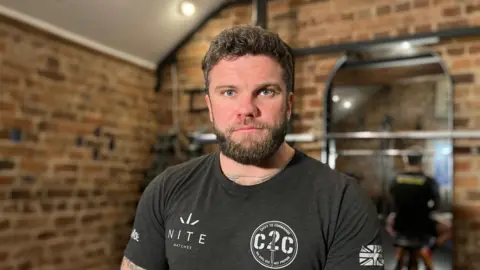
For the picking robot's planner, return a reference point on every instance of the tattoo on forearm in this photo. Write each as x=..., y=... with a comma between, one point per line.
x=128, y=265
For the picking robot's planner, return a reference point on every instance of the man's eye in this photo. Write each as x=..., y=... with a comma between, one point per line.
x=228, y=92
x=266, y=92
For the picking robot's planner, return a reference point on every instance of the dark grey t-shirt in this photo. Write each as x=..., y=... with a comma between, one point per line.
x=306, y=217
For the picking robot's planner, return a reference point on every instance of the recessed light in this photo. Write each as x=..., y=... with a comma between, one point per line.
x=347, y=104
x=187, y=8
x=335, y=98
x=406, y=45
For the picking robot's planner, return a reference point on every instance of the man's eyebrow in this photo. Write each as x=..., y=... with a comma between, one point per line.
x=258, y=87
x=219, y=87
x=267, y=85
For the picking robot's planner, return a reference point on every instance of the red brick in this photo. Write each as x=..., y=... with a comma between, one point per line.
x=424, y=28
x=474, y=49
x=79, y=154
x=31, y=223
x=452, y=24
x=7, y=79
x=7, y=107
x=466, y=211
x=6, y=180
x=4, y=256
x=384, y=10
x=402, y=7
x=473, y=195
x=4, y=224
x=456, y=51
x=63, y=222
x=61, y=246
x=95, y=119
x=472, y=8
x=90, y=218
x=33, y=166
x=421, y=3
x=16, y=122
x=462, y=165
x=461, y=64
x=451, y=11
x=59, y=193
x=463, y=78
x=315, y=103
x=65, y=168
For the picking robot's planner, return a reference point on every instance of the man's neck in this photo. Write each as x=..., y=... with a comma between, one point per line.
x=253, y=174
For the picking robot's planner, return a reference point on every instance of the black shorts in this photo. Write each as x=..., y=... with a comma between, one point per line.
x=426, y=227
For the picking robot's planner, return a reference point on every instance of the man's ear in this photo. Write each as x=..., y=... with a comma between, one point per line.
x=209, y=105
x=289, y=105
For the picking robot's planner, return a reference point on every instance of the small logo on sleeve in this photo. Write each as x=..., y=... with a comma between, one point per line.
x=371, y=255
x=135, y=236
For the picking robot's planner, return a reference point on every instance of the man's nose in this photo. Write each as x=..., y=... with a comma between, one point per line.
x=247, y=107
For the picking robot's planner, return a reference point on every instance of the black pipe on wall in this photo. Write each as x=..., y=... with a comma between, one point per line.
x=260, y=13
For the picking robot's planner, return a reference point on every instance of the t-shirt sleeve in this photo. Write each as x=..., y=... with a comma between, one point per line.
x=146, y=246
x=356, y=243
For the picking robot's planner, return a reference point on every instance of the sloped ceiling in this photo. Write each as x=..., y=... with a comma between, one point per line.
x=140, y=31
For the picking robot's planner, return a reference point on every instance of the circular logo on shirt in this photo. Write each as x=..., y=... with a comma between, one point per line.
x=274, y=245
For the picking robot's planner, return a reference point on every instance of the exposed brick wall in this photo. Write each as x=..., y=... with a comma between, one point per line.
x=307, y=23
x=61, y=208
x=462, y=59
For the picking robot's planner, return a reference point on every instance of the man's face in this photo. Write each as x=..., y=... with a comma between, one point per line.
x=249, y=107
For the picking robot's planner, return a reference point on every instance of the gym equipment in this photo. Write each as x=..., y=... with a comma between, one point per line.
x=309, y=137
x=166, y=147
x=163, y=149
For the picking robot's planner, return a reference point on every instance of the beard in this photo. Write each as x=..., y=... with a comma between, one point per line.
x=252, y=149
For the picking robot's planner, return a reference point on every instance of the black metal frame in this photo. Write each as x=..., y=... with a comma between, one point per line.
x=327, y=105
x=345, y=63
x=355, y=46
x=192, y=93
x=362, y=63
x=260, y=13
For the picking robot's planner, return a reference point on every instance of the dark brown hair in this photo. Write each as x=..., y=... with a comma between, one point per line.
x=243, y=40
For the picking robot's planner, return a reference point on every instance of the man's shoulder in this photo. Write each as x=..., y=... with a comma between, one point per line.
x=182, y=170
x=333, y=189
x=192, y=163
x=323, y=177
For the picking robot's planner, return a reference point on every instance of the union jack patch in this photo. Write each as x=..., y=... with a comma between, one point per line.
x=371, y=255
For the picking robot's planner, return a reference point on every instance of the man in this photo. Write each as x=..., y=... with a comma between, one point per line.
x=414, y=198
x=258, y=203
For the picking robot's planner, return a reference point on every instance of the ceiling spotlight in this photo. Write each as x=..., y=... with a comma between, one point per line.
x=187, y=8
x=335, y=98
x=347, y=104
x=406, y=45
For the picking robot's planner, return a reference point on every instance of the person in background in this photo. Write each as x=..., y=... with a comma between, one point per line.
x=414, y=198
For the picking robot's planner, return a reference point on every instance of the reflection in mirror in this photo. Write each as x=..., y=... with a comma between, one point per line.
x=387, y=90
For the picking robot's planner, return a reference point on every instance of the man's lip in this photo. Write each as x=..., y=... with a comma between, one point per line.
x=246, y=128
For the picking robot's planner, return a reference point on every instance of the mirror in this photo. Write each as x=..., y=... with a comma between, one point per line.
x=394, y=88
